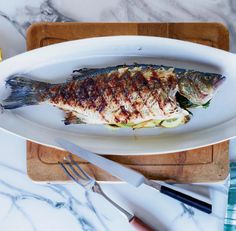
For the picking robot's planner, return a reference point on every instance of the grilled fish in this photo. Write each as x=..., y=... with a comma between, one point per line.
x=136, y=96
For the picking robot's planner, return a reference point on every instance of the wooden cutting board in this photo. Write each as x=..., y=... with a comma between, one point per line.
x=199, y=165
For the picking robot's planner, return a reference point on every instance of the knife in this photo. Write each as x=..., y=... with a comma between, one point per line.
x=132, y=177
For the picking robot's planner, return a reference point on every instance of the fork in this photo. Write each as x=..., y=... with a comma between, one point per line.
x=77, y=174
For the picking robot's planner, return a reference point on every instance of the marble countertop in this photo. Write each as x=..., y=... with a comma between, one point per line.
x=29, y=206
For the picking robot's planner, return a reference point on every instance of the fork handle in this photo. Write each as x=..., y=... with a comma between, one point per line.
x=139, y=225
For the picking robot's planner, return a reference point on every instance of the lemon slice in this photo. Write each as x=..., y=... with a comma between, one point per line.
x=148, y=124
x=175, y=122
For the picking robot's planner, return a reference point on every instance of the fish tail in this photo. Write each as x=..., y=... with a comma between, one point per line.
x=25, y=91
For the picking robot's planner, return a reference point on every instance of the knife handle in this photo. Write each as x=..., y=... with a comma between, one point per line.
x=198, y=204
x=139, y=225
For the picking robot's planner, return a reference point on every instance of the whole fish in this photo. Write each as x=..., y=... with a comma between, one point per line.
x=136, y=96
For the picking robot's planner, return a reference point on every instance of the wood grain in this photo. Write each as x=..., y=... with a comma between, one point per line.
x=199, y=165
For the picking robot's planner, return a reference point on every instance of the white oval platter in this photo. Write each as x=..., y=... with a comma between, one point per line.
x=55, y=63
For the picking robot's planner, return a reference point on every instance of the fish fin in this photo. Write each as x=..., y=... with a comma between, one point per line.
x=71, y=118
x=24, y=91
x=83, y=72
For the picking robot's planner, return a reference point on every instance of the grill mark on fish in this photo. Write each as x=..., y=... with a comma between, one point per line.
x=70, y=99
x=53, y=91
x=115, y=88
x=92, y=92
x=162, y=97
x=120, y=89
x=67, y=92
x=128, y=81
x=166, y=85
x=117, y=120
x=143, y=83
x=150, y=94
x=111, y=94
x=152, y=87
x=57, y=96
x=158, y=92
x=73, y=87
x=111, y=84
x=124, y=77
x=90, y=96
x=102, y=103
x=135, y=87
x=146, y=103
x=126, y=113
x=85, y=88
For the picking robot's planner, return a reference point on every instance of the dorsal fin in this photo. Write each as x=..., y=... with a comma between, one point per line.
x=84, y=72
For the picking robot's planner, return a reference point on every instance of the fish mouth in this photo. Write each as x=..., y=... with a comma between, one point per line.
x=219, y=82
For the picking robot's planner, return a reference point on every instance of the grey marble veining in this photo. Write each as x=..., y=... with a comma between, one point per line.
x=121, y=10
x=33, y=206
x=45, y=11
x=66, y=202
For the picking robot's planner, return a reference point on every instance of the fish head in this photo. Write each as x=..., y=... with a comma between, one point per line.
x=198, y=87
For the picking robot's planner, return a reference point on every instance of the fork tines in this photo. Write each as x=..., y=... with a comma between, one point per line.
x=75, y=172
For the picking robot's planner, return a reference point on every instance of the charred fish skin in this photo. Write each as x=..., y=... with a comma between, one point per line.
x=128, y=95
x=124, y=95
x=196, y=86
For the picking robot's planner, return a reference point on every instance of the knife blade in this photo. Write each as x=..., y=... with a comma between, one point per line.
x=126, y=174
x=132, y=177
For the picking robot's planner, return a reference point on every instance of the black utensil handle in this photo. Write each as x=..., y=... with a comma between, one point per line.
x=198, y=204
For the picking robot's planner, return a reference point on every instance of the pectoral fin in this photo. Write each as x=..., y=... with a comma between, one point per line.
x=71, y=118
